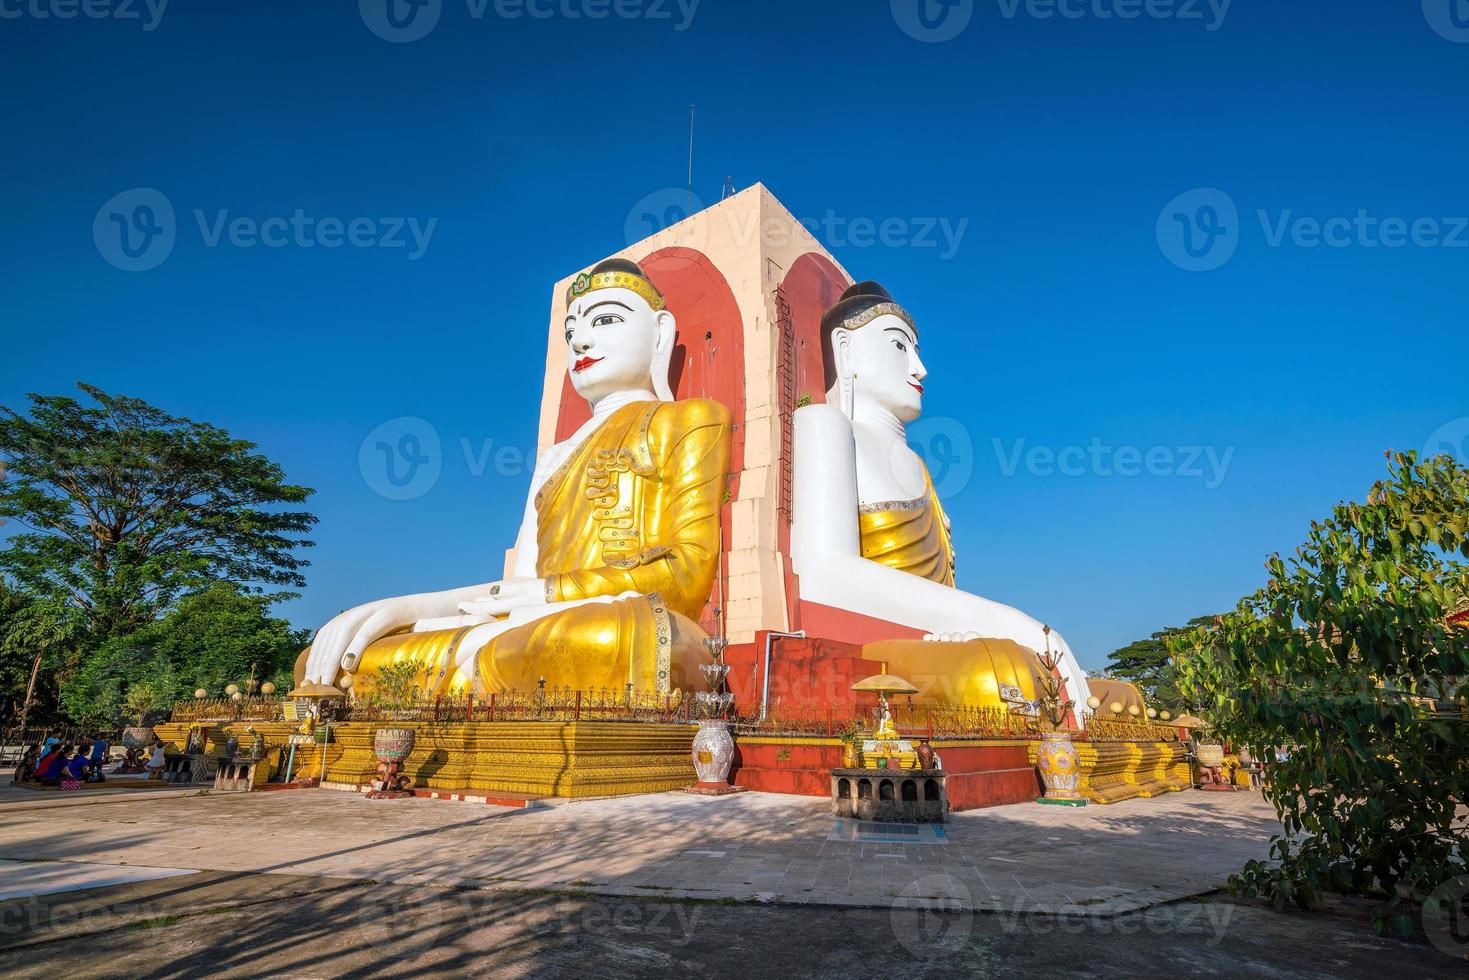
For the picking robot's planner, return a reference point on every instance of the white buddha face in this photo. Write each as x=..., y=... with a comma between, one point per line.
x=882, y=357
x=613, y=339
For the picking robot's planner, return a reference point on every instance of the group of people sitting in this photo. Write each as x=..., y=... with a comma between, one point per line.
x=69, y=767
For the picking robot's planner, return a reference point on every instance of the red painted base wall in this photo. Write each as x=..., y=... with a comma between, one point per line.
x=978, y=776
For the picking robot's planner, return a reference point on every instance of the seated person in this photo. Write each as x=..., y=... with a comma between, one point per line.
x=74, y=773
x=55, y=765
x=868, y=532
x=618, y=546
x=25, y=769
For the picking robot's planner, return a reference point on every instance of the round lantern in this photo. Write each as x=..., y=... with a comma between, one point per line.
x=1152, y=712
x=1165, y=715
x=1132, y=710
x=236, y=696
x=1115, y=707
x=232, y=690
x=201, y=694
x=267, y=689
x=1094, y=702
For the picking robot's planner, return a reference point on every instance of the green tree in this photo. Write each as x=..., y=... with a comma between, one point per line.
x=37, y=637
x=124, y=508
x=1347, y=659
x=212, y=638
x=1149, y=665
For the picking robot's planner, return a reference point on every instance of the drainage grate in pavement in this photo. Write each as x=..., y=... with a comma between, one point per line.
x=869, y=832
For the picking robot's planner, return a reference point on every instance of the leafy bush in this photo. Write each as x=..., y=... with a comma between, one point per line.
x=1345, y=675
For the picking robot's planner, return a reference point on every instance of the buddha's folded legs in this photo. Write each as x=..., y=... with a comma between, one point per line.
x=633, y=640
x=970, y=673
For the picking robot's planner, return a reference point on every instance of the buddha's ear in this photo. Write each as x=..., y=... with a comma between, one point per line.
x=841, y=349
x=667, y=331
x=663, y=355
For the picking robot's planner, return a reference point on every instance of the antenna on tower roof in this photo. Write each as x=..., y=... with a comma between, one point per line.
x=692, y=108
x=729, y=189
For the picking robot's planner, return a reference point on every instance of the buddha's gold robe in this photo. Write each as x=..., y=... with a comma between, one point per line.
x=634, y=509
x=913, y=536
x=910, y=535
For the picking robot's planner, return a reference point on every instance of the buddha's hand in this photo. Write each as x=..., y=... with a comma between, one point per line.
x=339, y=644
x=505, y=595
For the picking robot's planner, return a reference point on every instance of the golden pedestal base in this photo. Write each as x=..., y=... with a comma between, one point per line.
x=520, y=758
x=1115, y=771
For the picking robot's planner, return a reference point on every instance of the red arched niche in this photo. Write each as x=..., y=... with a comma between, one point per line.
x=708, y=362
x=812, y=287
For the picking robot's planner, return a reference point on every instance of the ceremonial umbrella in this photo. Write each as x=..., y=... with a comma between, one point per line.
x=885, y=684
x=1187, y=721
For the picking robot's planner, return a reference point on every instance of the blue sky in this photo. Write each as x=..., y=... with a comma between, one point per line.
x=1075, y=152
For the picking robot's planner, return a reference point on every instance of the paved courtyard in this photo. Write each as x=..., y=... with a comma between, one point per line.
x=749, y=847
x=161, y=882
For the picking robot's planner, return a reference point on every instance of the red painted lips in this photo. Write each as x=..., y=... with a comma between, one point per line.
x=584, y=363
x=917, y=385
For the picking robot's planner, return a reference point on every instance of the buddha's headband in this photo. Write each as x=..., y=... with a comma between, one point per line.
x=873, y=312
x=585, y=283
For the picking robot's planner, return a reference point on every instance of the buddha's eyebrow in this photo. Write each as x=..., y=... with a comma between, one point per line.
x=906, y=336
x=606, y=302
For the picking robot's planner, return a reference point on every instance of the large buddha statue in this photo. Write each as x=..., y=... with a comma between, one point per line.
x=869, y=535
x=618, y=547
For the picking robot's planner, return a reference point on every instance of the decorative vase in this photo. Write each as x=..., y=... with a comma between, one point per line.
x=1060, y=768
x=137, y=737
x=1211, y=755
x=925, y=755
x=393, y=744
x=713, y=752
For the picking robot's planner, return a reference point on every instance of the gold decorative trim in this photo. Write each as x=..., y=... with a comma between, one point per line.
x=585, y=283
x=873, y=312
x=663, y=631
x=917, y=503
